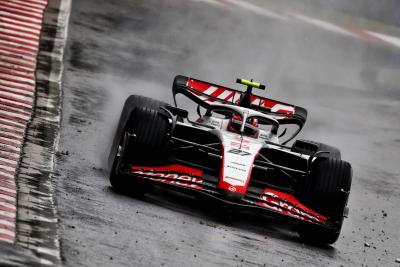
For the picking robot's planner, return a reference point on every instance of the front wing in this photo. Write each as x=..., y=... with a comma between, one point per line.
x=188, y=179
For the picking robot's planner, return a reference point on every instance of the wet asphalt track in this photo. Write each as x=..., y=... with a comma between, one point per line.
x=137, y=47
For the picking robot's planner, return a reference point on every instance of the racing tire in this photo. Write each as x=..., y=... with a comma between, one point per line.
x=317, y=235
x=325, y=191
x=151, y=129
x=310, y=147
x=132, y=102
x=140, y=114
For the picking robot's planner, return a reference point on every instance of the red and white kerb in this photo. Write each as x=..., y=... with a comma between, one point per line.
x=20, y=27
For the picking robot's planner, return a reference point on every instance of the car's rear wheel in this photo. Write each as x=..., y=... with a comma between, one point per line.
x=326, y=191
x=310, y=147
x=147, y=126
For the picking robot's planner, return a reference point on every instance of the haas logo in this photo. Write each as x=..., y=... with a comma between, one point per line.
x=238, y=152
x=232, y=188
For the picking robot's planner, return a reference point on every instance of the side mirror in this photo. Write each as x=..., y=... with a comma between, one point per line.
x=283, y=133
x=181, y=113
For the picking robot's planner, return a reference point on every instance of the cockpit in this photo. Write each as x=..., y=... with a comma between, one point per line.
x=250, y=127
x=242, y=120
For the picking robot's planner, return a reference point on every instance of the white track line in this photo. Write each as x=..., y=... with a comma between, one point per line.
x=386, y=38
x=322, y=24
x=294, y=17
x=256, y=9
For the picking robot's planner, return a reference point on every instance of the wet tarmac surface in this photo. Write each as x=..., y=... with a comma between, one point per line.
x=350, y=88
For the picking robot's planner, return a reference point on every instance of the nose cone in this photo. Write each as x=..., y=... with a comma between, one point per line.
x=239, y=153
x=231, y=196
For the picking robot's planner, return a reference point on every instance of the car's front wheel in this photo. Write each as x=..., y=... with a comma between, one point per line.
x=326, y=191
x=142, y=138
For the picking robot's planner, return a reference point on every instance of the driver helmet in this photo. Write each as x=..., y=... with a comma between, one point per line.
x=251, y=121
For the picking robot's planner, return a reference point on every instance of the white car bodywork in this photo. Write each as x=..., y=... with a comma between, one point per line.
x=239, y=149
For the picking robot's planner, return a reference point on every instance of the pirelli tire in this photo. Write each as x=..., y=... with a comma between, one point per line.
x=310, y=147
x=151, y=129
x=326, y=191
x=148, y=126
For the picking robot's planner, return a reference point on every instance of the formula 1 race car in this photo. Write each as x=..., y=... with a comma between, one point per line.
x=233, y=153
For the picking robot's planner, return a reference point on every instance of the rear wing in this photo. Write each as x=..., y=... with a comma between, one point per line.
x=205, y=93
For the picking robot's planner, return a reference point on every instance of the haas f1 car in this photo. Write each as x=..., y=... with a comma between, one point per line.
x=234, y=153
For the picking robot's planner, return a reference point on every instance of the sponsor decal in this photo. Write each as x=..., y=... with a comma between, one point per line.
x=209, y=92
x=238, y=152
x=238, y=163
x=171, y=174
x=232, y=188
x=240, y=145
x=289, y=205
x=236, y=168
x=215, y=123
x=235, y=179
